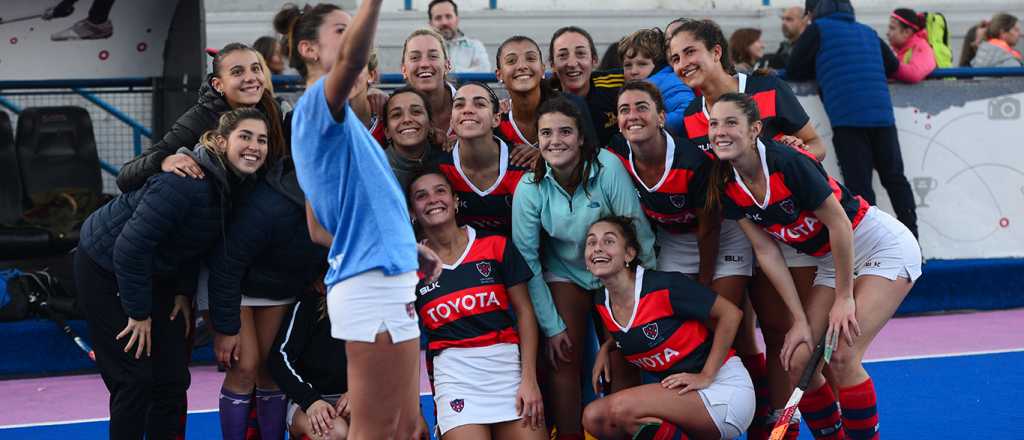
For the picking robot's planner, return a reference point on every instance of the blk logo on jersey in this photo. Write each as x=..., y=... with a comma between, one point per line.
x=788, y=206
x=678, y=200
x=651, y=331
x=458, y=405
x=484, y=267
x=429, y=287
x=755, y=217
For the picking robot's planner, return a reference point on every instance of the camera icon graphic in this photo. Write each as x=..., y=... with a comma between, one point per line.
x=1004, y=108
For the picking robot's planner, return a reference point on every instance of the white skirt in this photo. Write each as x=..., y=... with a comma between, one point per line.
x=476, y=386
x=371, y=303
x=730, y=399
x=679, y=252
x=882, y=246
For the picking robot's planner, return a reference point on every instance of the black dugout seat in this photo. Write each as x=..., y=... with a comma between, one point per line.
x=55, y=150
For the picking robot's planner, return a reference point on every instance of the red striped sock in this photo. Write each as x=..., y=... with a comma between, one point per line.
x=668, y=431
x=860, y=411
x=758, y=368
x=821, y=412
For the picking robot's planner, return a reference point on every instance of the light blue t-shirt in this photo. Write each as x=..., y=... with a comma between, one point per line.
x=347, y=179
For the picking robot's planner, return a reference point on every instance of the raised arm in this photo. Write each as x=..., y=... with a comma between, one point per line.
x=356, y=44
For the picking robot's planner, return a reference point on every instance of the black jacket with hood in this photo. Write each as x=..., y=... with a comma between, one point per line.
x=266, y=252
x=184, y=133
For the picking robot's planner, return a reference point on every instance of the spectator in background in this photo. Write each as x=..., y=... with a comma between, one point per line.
x=851, y=69
x=975, y=35
x=643, y=58
x=909, y=38
x=998, y=48
x=270, y=48
x=467, y=54
x=793, y=24
x=747, y=50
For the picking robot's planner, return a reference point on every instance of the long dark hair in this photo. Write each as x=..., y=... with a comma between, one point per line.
x=300, y=24
x=709, y=33
x=721, y=171
x=588, y=151
x=968, y=50
x=277, y=147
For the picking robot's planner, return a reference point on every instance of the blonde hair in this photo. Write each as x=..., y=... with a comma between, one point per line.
x=430, y=33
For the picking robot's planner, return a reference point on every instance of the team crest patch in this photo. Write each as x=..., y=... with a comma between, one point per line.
x=484, y=268
x=678, y=200
x=651, y=331
x=788, y=206
x=458, y=405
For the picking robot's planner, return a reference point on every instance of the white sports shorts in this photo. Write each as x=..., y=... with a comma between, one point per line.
x=679, y=252
x=371, y=303
x=730, y=399
x=882, y=246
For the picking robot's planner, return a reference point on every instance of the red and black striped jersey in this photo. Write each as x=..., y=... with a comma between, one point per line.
x=797, y=185
x=673, y=202
x=781, y=113
x=666, y=333
x=468, y=305
x=488, y=209
x=509, y=131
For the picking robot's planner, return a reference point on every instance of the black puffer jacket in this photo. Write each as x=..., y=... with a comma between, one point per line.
x=267, y=252
x=184, y=133
x=159, y=231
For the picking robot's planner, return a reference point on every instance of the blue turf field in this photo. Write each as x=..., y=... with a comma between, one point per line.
x=959, y=397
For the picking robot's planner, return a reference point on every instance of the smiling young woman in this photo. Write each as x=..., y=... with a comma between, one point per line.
x=867, y=261
x=481, y=330
x=479, y=165
x=136, y=274
x=575, y=184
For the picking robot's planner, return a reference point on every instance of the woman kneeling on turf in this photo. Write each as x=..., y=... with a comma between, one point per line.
x=657, y=319
x=481, y=331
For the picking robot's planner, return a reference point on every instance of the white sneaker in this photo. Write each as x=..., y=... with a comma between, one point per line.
x=85, y=30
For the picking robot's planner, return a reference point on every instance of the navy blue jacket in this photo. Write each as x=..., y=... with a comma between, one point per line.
x=266, y=252
x=158, y=231
x=850, y=63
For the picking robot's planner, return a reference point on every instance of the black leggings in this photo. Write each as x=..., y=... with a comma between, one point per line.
x=862, y=150
x=146, y=394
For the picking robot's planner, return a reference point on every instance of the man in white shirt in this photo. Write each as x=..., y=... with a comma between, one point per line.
x=466, y=54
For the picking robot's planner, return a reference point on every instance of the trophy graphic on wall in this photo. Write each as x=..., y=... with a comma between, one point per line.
x=923, y=186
